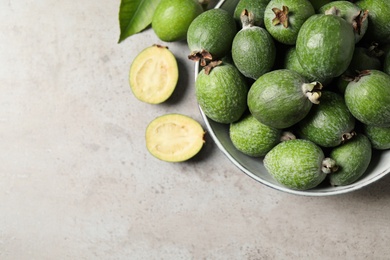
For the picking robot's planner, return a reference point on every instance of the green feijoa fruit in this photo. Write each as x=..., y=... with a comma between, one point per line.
x=379, y=136
x=317, y=4
x=281, y=98
x=253, y=138
x=284, y=18
x=378, y=19
x=172, y=18
x=386, y=63
x=329, y=123
x=291, y=62
x=256, y=7
x=368, y=98
x=210, y=35
x=253, y=49
x=325, y=45
x=352, y=159
x=298, y=164
x=363, y=59
x=221, y=93
x=352, y=13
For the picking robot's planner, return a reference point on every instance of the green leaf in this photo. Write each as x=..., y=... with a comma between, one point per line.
x=135, y=16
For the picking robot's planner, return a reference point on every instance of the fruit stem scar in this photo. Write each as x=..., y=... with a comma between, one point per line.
x=247, y=18
x=312, y=91
x=202, y=56
x=347, y=136
x=358, y=20
x=333, y=11
x=281, y=16
x=329, y=166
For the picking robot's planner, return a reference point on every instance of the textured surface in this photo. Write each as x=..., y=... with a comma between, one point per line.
x=76, y=181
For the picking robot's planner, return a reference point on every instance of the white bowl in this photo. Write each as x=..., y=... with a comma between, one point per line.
x=254, y=168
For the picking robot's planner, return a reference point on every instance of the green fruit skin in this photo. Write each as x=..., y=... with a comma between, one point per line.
x=253, y=138
x=253, y=51
x=276, y=99
x=378, y=19
x=368, y=99
x=317, y=4
x=291, y=62
x=362, y=60
x=348, y=11
x=352, y=158
x=299, y=12
x=325, y=45
x=327, y=122
x=379, y=136
x=256, y=7
x=222, y=93
x=213, y=31
x=296, y=164
x=386, y=63
x=172, y=18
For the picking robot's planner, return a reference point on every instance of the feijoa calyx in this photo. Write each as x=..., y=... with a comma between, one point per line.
x=210, y=35
x=221, y=92
x=253, y=49
x=174, y=137
x=284, y=18
x=352, y=158
x=298, y=164
x=154, y=74
x=255, y=7
x=329, y=123
x=368, y=98
x=282, y=98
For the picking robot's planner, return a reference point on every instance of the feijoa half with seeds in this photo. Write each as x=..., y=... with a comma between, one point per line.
x=174, y=137
x=154, y=74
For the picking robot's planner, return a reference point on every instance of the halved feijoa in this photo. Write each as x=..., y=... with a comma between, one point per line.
x=154, y=74
x=352, y=158
x=174, y=137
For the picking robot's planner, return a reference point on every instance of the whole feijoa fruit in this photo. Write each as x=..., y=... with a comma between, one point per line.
x=154, y=74
x=363, y=59
x=281, y=98
x=350, y=12
x=368, y=98
x=386, y=63
x=255, y=7
x=172, y=18
x=352, y=159
x=379, y=136
x=253, y=138
x=325, y=45
x=298, y=164
x=378, y=19
x=291, y=62
x=210, y=35
x=253, y=49
x=221, y=93
x=329, y=123
x=284, y=18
